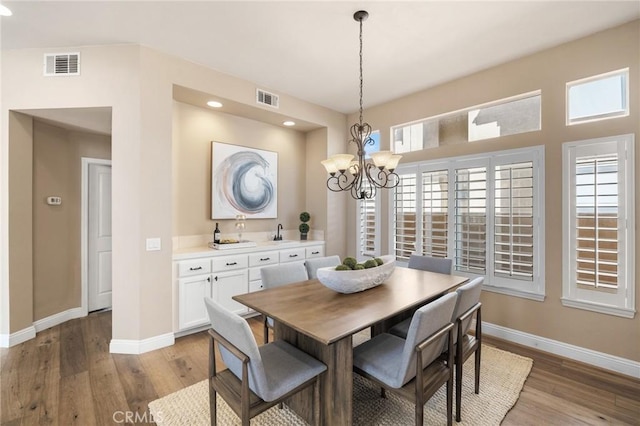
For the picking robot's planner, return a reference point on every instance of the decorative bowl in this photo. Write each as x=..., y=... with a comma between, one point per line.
x=357, y=280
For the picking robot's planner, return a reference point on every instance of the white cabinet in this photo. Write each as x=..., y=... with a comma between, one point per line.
x=292, y=255
x=228, y=284
x=221, y=276
x=192, y=291
x=314, y=251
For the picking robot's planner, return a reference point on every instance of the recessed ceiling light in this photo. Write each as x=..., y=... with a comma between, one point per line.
x=289, y=123
x=214, y=104
x=4, y=11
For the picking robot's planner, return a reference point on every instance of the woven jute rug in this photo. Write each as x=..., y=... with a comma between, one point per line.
x=502, y=375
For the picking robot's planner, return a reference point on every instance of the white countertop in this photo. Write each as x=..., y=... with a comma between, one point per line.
x=205, y=251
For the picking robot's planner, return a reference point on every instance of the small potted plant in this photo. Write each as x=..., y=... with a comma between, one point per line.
x=304, y=227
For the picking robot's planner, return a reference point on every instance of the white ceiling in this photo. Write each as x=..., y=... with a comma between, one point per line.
x=310, y=49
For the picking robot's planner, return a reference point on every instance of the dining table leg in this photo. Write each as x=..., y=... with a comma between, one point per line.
x=336, y=384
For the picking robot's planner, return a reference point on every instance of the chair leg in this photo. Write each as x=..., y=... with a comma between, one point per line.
x=450, y=402
x=212, y=406
x=458, y=381
x=477, y=356
x=383, y=393
x=266, y=331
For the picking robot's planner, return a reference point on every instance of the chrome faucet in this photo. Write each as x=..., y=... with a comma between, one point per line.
x=278, y=237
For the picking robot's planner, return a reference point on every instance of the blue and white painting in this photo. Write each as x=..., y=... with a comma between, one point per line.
x=244, y=181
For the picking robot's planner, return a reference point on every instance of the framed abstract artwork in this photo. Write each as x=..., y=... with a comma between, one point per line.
x=243, y=181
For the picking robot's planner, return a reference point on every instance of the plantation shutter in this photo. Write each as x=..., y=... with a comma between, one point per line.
x=596, y=213
x=435, y=216
x=405, y=217
x=367, y=241
x=513, y=221
x=470, y=220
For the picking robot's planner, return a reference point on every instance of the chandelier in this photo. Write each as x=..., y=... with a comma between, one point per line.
x=361, y=177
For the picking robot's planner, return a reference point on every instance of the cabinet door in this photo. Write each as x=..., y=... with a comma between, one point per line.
x=192, y=292
x=228, y=284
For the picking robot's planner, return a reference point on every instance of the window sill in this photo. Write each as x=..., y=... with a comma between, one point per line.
x=596, y=307
x=517, y=293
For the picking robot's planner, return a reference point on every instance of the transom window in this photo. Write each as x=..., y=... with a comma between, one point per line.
x=504, y=117
x=599, y=97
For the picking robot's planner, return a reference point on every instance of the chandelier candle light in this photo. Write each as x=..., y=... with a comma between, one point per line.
x=360, y=177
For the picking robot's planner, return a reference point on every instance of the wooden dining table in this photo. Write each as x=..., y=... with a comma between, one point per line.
x=321, y=322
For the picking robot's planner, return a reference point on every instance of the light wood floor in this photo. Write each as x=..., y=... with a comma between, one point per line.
x=66, y=376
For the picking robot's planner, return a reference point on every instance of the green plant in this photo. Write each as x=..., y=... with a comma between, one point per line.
x=304, y=217
x=304, y=228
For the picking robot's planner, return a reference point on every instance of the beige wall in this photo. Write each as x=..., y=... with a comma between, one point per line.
x=20, y=233
x=194, y=129
x=57, y=155
x=137, y=83
x=548, y=71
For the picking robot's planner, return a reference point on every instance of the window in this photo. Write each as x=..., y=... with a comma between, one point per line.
x=597, y=98
x=598, y=219
x=404, y=217
x=471, y=220
x=490, y=223
x=435, y=217
x=369, y=227
x=510, y=116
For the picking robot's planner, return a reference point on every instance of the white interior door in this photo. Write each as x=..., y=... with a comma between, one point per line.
x=99, y=237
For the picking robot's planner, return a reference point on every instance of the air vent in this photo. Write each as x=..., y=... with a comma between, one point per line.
x=58, y=64
x=268, y=99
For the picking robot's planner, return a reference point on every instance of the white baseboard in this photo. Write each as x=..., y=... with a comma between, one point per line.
x=9, y=340
x=136, y=347
x=577, y=353
x=59, y=318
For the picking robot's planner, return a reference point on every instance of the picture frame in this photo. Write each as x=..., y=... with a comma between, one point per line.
x=244, y=181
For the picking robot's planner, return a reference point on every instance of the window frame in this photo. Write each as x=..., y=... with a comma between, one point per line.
x=534, y=289
x=606, y=116
x=521, y=96
x=622, y=303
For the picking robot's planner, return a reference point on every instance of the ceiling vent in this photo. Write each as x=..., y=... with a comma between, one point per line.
x=57, y=64
x=268, y=99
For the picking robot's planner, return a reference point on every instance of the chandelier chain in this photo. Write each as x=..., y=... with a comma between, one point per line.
x=361, y=78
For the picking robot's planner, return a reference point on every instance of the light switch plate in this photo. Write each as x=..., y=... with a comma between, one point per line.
x=153, y=244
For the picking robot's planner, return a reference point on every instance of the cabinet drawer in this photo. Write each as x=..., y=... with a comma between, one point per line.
x=264, y=258
x=255, y=285
x=315, y=251
x=230, y=263
x=187, y=268
x=254, y=274
x=292, y=255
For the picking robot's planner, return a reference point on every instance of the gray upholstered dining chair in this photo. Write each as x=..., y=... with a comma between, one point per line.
x=433, y=264
x=467, y=304
x=413, y=368
x=256, y=378
x=277, y=275
x=313, y=264
x=425, y=263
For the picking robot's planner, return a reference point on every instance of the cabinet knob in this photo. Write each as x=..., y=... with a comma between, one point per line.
x=315, y=252
x=216, y=278
x=293, y=255
x=195, y=269
x=231, y=263
x=209, y=279
x=264, y=259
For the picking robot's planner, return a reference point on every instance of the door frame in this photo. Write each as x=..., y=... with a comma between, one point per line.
x=84, y=231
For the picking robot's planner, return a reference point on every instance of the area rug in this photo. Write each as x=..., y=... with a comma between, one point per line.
x=502, y=375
